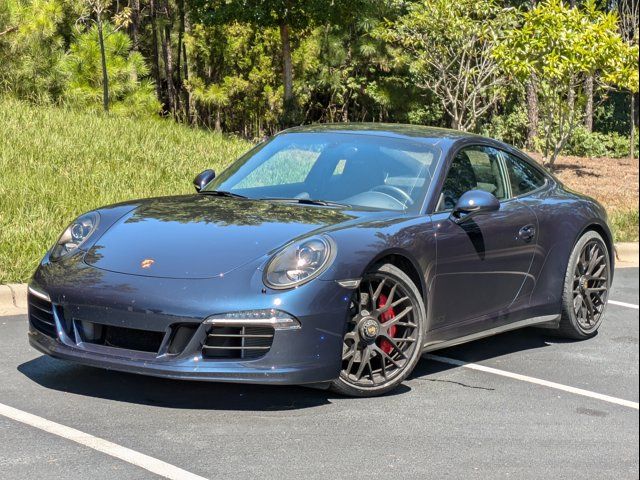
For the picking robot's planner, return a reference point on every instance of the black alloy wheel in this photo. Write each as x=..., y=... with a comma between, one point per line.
x=384, y=334
x=587, y=284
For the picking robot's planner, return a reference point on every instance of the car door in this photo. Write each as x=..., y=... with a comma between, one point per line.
x=482, y=264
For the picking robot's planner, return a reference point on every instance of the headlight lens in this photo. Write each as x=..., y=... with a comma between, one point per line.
x=300, y=262
x=75, y=235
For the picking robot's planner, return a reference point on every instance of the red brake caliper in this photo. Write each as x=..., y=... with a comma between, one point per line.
x=385, y=345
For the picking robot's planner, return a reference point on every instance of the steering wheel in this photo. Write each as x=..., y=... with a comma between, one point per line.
x=395, y=192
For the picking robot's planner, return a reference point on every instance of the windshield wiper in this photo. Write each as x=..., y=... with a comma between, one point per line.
x=306, y=201
x=222, y=193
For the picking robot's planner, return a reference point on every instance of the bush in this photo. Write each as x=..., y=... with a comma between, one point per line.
x=510, y=127
x=596, y=144
x=624, y=225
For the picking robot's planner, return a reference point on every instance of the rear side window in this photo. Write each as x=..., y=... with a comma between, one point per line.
x=522, y=176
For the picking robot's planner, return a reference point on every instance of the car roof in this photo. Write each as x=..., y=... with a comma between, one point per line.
x=397, y=130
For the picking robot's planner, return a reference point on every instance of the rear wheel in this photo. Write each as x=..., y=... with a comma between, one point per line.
x=586, y=288
x=384, y=336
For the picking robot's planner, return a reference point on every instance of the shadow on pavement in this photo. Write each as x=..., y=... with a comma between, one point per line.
x=126, y=387
x=160, y=392
x=490, y=347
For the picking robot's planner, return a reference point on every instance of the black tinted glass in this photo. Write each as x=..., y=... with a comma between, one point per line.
x=473, y=168
x=522, y=176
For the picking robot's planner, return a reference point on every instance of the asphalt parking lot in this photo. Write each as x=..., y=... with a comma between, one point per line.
x=447, y=421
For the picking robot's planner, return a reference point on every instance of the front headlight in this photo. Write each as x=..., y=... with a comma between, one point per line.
x=75, y=235
x=300, y=262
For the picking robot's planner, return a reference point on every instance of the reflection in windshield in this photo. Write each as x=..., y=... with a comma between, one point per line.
x=358, y=170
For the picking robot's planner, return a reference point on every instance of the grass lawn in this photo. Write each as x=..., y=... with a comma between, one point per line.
x=56, y=164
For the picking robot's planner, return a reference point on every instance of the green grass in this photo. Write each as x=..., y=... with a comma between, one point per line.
x=56, y=164
x=624, y=225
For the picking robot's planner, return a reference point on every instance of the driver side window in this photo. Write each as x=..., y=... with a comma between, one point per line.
x=475, y=167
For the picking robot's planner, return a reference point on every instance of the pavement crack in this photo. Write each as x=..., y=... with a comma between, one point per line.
x=456, y=383
x=13, y=296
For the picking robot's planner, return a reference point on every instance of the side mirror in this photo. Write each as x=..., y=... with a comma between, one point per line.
x=472, y=203
x=203, y=179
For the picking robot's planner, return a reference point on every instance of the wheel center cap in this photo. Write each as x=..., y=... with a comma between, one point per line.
x=582, y=282
x=369, y=329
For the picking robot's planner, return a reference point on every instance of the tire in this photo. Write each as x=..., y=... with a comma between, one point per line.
x=586, y=288
x=384, y=336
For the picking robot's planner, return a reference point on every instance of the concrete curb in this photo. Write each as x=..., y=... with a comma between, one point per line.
x=13, y=297
x=627, y=254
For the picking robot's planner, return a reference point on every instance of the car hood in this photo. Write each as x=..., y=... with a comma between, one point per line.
x=200, y=236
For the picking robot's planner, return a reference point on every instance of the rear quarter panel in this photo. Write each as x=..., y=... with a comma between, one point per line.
x=563, y=216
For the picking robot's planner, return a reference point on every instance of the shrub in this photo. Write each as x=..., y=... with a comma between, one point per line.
x=596, y=144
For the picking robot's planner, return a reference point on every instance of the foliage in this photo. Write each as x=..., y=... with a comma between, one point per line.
x=561, y=46
x=595, y=144
x=449, y=48
x=624, y=225
x=255, y=66
x=82, y=70
x=31, y=48
x=58, y=163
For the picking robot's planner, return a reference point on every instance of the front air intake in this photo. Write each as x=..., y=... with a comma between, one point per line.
x=41, y=315
x=241, y=342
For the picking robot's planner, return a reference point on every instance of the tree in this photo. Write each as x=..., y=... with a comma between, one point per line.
x=629, y=11
x=449, y=48
x=96, y=11
x=562, y=46
x=83, y=65
x=284, y=15
x=218, y=95
x=30, y=48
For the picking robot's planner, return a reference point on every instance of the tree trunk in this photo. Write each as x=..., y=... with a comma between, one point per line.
x=533, y=116
x=182, y=101
x=168, y=61
x=632, y=134
x=218, y=125
x=135, y=25
x=105, y=75
x=588, y=111
x=155, y=61
x=287, y=73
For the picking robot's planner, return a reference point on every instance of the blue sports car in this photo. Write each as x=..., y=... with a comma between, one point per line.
x=331, y=256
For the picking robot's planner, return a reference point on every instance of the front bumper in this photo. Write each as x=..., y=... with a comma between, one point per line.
x=310, y=354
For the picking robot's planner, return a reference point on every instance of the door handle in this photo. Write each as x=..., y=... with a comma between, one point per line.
x=527, y=233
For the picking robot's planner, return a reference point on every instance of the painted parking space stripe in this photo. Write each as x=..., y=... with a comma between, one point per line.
x=537, y=381
x=138, y=459
x=623, y=304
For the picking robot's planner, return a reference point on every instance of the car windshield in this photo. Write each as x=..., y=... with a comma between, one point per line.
x=357, y=170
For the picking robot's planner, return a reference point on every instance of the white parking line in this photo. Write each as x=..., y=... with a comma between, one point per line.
x=537, y=381
x=141, y=460
x=623, y=304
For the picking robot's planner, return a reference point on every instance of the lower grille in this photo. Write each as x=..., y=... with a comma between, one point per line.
x=238, y=342
x=41, y=315
x=120, y=337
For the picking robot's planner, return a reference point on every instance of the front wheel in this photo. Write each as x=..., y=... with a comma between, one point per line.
x=586, y=288
x=384, y=335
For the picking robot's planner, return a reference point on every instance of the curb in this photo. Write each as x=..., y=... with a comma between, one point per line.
x=13, y=299
x=627, y=254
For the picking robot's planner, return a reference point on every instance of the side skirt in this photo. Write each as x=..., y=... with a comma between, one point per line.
x=545, y=321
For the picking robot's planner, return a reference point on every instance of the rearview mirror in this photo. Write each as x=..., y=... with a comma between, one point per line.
x=472, y=203
x=203, y=179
